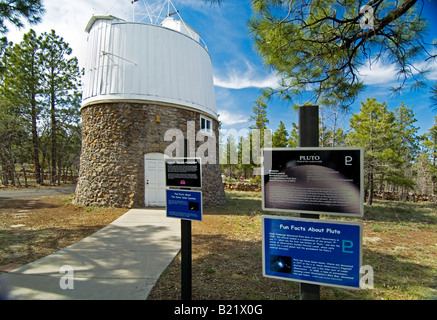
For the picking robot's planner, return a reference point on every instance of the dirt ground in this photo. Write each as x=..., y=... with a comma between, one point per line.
x=226, y=264
x=36, y=227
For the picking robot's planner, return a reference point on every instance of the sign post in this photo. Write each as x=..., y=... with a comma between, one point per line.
x=186, y=260
x=183, y=175
x=309, y=137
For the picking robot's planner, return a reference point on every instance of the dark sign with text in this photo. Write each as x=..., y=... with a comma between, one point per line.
x=313, y=180
x=183, y=172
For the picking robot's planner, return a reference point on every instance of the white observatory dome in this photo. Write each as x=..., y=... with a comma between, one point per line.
x=137, y=62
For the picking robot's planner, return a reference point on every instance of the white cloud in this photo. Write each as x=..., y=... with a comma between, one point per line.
x=236, y=80
x=228, y=118
x=69, y=21
x=249, y=78
x=430, y=66
x=377, y=73
x=432, y=75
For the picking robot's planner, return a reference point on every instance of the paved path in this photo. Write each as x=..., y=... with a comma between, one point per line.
x=35, y=192
x=122, y=261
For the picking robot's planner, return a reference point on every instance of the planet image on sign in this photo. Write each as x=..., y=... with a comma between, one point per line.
x=183, y=182
x=193, y=206
x=280, y=264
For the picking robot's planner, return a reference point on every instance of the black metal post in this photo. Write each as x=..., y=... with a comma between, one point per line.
x=186, y=263
x=309, y=137
x=309, y=126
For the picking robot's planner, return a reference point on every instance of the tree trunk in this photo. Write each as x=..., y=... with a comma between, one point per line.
x=35, y=143
x=53, y=135
x=25, y=176
x=371, y=187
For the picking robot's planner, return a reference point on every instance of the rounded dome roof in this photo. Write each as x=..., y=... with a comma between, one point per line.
x=131, y=61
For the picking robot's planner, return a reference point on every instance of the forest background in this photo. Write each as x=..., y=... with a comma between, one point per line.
x=40, y=96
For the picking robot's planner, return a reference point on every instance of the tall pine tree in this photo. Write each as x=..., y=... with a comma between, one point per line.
x=280, y=137
x=373, y=129
x=22, y=88
x=407, y=142
x=61, y=76
x=41, y=82
x=322, y=44
x=430, y=151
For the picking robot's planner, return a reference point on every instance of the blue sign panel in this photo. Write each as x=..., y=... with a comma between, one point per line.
x=184, y=204
x=312, y=251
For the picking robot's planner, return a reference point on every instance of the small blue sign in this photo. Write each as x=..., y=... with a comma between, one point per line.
x=184, y=204
x=312, y=251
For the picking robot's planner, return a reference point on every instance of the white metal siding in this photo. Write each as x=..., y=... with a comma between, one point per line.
x=138, y=61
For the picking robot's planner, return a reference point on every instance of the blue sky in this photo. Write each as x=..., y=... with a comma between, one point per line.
x=239, y=73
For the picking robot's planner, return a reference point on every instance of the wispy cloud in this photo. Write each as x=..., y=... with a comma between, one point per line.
x=69, y=22
x=249, y=77
x=380, y=73
x=228, y=118
x=430, y=66
x=377, y=73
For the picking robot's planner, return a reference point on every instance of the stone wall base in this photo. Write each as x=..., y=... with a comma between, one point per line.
x=115, y=138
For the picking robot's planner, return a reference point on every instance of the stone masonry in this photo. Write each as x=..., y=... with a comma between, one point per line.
x=115, y=138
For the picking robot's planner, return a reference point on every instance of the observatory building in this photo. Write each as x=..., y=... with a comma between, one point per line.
x=148, y=93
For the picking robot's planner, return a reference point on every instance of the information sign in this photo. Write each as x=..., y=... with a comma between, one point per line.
x=313, y=180
x=184, y=204
x=312, y=251
x=183, y=172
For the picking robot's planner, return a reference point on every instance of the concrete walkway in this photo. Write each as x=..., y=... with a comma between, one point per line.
x=122, y=261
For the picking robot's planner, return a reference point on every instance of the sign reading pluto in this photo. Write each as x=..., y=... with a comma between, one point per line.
x=313, y=180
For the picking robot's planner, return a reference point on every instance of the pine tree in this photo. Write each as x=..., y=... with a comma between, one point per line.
x=14, y=12
x=10, y=129
x=293, y=141
x=40, y=83
x=61, y=82
x=331, y=119
x=322, y=44
x=259, y=111
x=280, y=136
x=430, y=145
x=373, y=130
x=407, y=141
x=22, y=88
